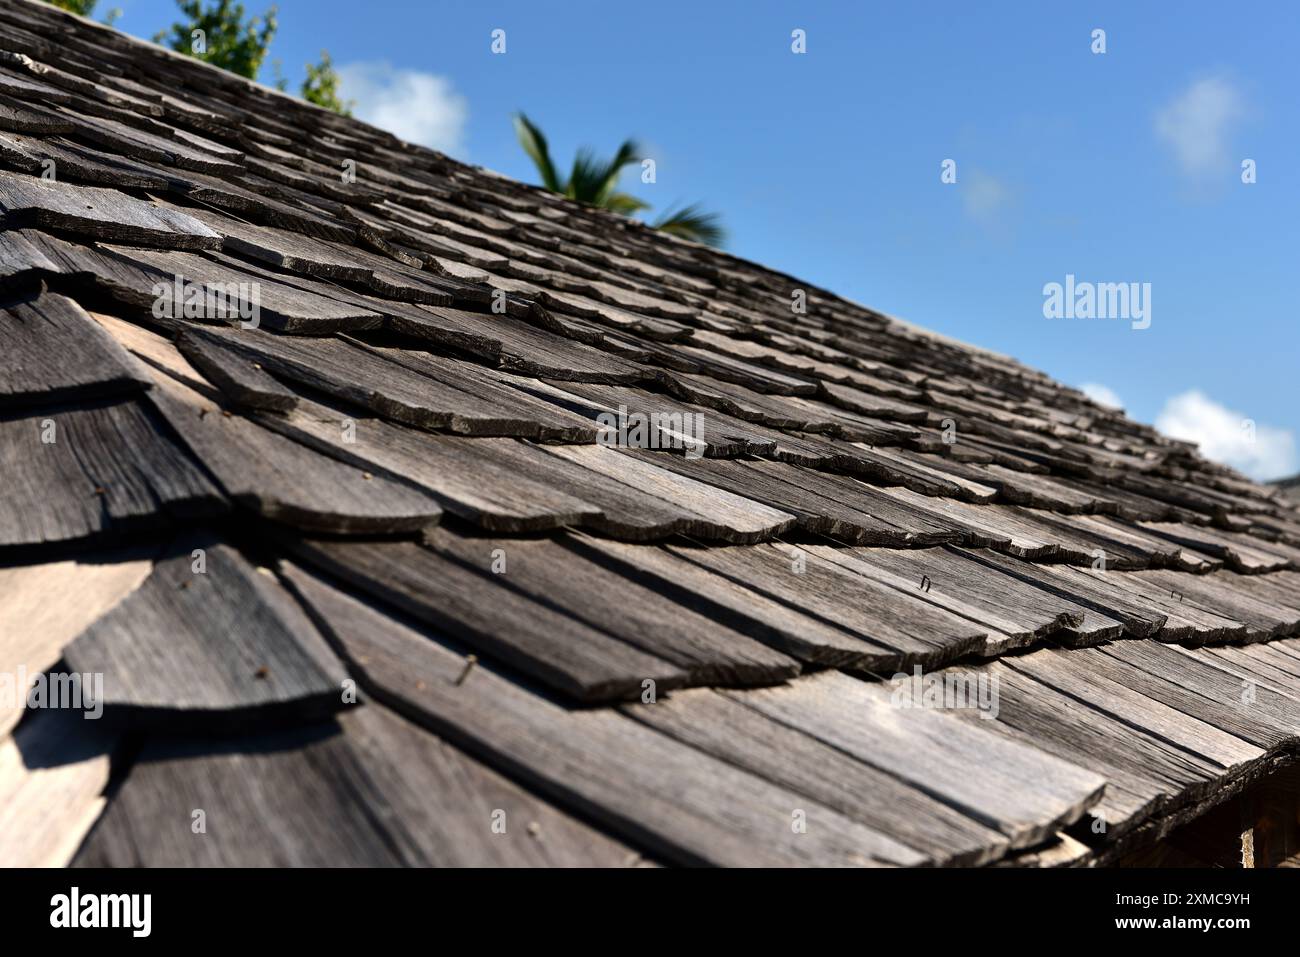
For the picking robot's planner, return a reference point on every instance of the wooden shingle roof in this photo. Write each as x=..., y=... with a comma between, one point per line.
x=366, y=582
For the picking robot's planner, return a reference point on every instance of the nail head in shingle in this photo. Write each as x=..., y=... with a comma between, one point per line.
x=262, y=673
x=470, y=662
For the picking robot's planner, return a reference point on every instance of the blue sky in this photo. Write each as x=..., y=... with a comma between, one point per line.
x=1115, y=167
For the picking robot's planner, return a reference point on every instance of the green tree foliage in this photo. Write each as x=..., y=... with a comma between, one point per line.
x=81, y=7
x=322, y=86
x=691, y=223
x=231, y=40
x=593, y=181
x=85, y=8
x=237, y=42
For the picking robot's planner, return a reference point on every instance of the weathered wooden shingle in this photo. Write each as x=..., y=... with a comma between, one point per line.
x=284, y=480
x=187, y=287
x=786, y=627
x=553, y=574
x=243, y=381
x=51, y=351
x=553, y=645
x=1165, y=730
x=727, y=728
x=1016, y=613
x=1016, y=789
x=66, y=476
x=369, y=791
x=98, y=214
x=428, y=392
x=678, y=801
x=208, y=640
x=37, y=619
x=918, y=632
x=53, y=772
x=432, y=337
x=477, y=479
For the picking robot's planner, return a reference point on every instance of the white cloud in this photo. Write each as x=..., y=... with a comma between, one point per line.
x=1261, y=451
x=1102, y=395
x=418, y=107
x=1197, y=124
x=984, y=196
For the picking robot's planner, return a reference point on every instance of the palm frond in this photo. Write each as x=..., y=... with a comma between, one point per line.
x=534, y=144
x=593, y=181
x=624, y=204
x=626, y=155
x=586, y=178
x=691, y=223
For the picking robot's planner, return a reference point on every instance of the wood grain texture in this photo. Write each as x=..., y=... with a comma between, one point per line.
x=722, y=599
x=918, y=632
x=582, y=660
x=478, y=479
x=53, y=772
x=79, y=484
x=81, y=164
x=529, y=350
x=1167, y=733
x=727, y=729
x=460, y=399
x=280, y=305
x=244, y=382
x=281, y=248
x=840, y=507
x=16, y=118
x=51, y=351
x=98, y=213
x=1023, y=792
x=469, y=386
x=1224, y=593
x=21, y=254
x=1142, y=772
x=37, y=619
x=1223, y=696
x=677, y=802
x=1086, y=676
x=1105, y=595
x=1017, y=613
x=285, y=481
x=208, y=641
x=436, y=337
x=670, y=424
x=369, y=791
x=703, y=508
x=547, y=571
